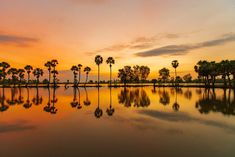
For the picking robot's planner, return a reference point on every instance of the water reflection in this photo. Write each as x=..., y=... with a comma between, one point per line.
x=98, y=111
x=134, y=97
x=50, y=107
x=209, y=102
x=110, y=110
x=206, y=100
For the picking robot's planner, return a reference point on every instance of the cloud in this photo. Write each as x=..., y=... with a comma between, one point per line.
x=139, y=43
x=17, y=40
x=184, y=117
x=90, y=1
x=184, y=49
x=15, y=127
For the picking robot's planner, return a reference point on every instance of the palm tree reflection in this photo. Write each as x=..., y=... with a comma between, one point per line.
x=98, y=112
x=3, y=107
x=13, y=100
x=50, y=107
x=27, y=104
x=135, y=97
x=37, y=100
x=86, y=102
x=74, y=103
x=20, y=98
x=110, y=110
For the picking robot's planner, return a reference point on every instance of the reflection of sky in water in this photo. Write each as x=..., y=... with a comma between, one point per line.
x=127, y=122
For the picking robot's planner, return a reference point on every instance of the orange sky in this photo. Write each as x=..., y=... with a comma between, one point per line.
x=145, y=32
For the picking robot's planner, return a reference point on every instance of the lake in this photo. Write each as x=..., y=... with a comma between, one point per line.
x=117, y=122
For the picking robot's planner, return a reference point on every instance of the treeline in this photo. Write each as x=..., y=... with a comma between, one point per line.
x=209, y=72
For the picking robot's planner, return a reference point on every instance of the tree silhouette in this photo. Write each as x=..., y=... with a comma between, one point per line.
x=98, y=61
x=28, y=69
x=48, y=64
x=21, y=74
x=13, y=72
x=175, y=64
x=176, y=106
x=54, y=100
x=4, y=66
x=79, y=72
x=87, y=71
x=54, y=63
x=37, y=100
x=110, y=61
x=164, y=74
x=37, y=73
x=74, y=69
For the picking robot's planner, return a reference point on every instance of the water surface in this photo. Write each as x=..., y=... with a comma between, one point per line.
x=117, y=122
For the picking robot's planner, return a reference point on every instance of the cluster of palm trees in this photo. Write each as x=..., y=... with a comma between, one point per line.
x=210, y=71
x=17, y=75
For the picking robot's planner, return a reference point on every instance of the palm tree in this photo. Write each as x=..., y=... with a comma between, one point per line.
x=87, y=70
x=79, y=70
x=37, y=73
x=54, y=62
x=21, y=74
x=28, y=69
x=110, y=61
x=98, y=61
x=48, y=65
x=4, y=66
x=175, y=64
x=74, y=69
x=13, y=72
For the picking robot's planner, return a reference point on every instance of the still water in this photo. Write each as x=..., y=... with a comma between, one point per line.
x=117, y=122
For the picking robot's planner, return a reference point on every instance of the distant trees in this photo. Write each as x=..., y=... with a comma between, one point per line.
x=164, y=74
x=127, y=74
x=187, y=78
x=209, y=71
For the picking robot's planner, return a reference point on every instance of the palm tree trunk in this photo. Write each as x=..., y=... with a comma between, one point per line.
x=229, y=81
x=86, y=78
x=79, y=79
x=175, y=76
x=110, y=75
x=234, y=81
x=28, y=77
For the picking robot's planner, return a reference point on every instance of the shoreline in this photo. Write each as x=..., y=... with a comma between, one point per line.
x=118, y=86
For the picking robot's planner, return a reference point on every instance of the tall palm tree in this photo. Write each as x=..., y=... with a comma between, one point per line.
x=98, y=61
x=110, y=61
x=28, y=69
x=87, y=71
x=175, y=64
x=4, y=66
x=37, y=73
x=48, y=65
x=74, y=69
x=21, y=74
x=54, y=62
x=79, y=71
x=13, y=72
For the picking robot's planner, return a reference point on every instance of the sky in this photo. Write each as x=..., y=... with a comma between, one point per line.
x=143, y=32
